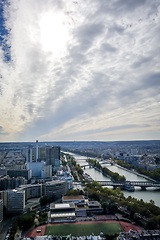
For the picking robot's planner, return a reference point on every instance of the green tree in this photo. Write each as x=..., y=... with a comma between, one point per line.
x=152, y=223
x=79, y=169
x=44, y=200
x=105, y=207
x=26, y=221
x=72, y=192
x=113, y=208
x=95, y=196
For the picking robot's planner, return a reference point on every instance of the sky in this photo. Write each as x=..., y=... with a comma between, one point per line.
x=86, y=70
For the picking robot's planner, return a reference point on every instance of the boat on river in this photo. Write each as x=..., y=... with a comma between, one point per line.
x=129, y=187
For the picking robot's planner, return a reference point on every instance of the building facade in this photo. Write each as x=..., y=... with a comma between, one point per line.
x=53, y=156
x=55, y=189
x=15, y=201
x=7, y=182
x=65, y=176
x=19, y=173
x=47, y=172
x=63, y=212
x=1, y=210
x=31, y=190
x=36, y=168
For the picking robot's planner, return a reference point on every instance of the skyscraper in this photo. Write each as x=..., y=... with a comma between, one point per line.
x=53, y=156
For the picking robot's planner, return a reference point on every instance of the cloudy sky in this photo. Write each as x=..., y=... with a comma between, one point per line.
x=79, y=70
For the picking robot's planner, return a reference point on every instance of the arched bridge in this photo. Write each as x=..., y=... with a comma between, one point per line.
x=90, y=165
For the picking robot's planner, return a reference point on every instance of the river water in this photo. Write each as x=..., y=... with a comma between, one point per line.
x=146, y=195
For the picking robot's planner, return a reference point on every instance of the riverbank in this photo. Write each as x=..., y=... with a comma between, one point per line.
x=103, y=173
x=126, y=169
x=134, y=172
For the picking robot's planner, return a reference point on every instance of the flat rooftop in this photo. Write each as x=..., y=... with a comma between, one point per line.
x=79, y=197
x=93, y=203
x=62, y=205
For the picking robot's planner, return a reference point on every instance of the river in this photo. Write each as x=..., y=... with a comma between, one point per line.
x=146, y=195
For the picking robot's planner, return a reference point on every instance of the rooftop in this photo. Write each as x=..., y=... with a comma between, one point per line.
x=73, y=197
x=62, y=205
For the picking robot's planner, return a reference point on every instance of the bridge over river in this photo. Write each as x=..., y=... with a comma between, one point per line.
x=92, y=166
x=128, y=185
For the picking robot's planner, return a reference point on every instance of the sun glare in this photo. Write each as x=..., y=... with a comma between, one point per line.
x=54, y=33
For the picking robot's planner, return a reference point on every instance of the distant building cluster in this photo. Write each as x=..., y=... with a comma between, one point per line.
x=51, y=155
x=143, y=154
x=42, y=160
x=146, y=162
x=32, y=162
x=149, y=162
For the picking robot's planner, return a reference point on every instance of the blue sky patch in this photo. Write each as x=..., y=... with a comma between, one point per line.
x=4, y=34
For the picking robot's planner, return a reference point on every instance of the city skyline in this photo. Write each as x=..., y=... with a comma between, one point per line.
x=79, y=70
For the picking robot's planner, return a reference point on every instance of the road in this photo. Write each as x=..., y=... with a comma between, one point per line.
x=4, y=227
x=77, y=186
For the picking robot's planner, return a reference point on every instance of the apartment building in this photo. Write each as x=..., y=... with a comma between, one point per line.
x=15, y=201
x=7, y=182
x=26, y=173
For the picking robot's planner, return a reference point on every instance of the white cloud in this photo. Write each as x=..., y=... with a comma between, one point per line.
x=80, y=70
